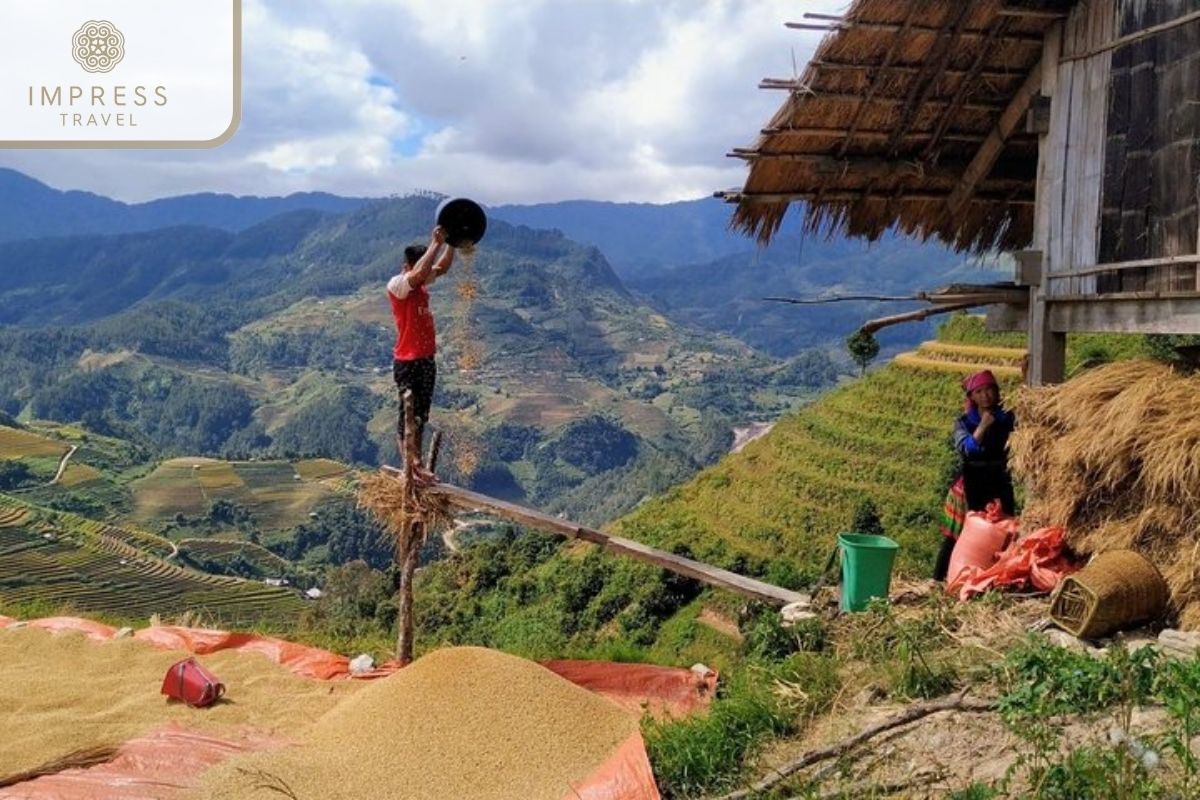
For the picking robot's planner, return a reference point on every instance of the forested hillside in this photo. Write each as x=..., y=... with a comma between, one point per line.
x=275, y=342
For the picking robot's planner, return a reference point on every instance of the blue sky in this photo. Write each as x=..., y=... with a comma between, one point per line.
x=507, y=101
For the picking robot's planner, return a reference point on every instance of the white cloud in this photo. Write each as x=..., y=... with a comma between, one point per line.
x=513, y=101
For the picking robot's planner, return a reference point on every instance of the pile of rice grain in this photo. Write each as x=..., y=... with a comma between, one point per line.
x=461, y=722
x=1113, y=455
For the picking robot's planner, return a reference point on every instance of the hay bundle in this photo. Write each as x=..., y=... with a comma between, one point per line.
x=403, y=513
x=1114, y=456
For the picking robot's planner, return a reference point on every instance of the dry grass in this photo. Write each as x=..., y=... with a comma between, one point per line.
x=401, y=511
x=1114, y=456
x=87, y=757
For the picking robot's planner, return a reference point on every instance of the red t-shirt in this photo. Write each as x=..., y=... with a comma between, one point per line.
x=415, y=334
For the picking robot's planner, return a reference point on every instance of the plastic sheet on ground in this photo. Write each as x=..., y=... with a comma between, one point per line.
x=624, y=776
x=663, y=691
x=1037, y=561
x=160, y=766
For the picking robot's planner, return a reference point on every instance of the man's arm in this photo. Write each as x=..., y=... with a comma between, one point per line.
x=443, y=264
x=419, y=274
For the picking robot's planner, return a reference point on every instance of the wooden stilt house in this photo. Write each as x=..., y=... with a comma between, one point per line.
x=1066, y=132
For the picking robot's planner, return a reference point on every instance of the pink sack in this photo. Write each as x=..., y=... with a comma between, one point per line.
x=984, y=536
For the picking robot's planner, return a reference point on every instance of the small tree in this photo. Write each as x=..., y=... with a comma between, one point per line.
x=866, y=518
x=863, y=348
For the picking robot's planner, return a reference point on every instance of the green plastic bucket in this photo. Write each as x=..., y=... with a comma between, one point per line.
x=866, y=568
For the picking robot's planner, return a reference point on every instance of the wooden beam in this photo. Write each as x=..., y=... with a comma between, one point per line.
x=937, y=59
x=871, y=167
x=890, y=56
x=889, y=27
x=1154, y=30
x=1010, y=11
x=804, y=91
x=985, y=158
x=903, y=69
x=739, y=196
x=1032, y=13
x=713, y=576
x=871, y=326
x=968, y=138
x=1164, y=261
x=967, y=85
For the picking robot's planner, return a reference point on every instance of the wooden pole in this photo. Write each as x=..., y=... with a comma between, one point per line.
x=408, y=568
x=705, y=573
x=873, y=325
x=409, y=537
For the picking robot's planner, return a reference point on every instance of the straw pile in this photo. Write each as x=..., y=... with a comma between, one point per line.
x=1114, y=456
x=389, y=500
x=65, y=695
x=459, y=723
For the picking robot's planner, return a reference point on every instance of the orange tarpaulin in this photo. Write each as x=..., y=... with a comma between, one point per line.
x=160, y=766
x=1035, y=561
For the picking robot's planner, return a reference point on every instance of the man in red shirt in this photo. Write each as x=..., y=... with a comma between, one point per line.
x=414, y=367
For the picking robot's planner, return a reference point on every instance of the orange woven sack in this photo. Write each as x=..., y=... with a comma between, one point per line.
x=984, y=536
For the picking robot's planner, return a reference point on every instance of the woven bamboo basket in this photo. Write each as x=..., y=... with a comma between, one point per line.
x=1117, y=590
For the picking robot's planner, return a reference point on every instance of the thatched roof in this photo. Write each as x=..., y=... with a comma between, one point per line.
x=891, y=112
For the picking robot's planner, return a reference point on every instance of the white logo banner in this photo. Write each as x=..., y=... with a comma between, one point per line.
x=119, y=73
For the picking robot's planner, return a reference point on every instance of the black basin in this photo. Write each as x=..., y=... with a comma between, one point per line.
x=463, y=221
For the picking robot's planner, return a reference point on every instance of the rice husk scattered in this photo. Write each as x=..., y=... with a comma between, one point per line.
x=461, y=722
x=1113, y=455
x=388, y=500
x=466, y=453
x=63, y=694
x=470, y=355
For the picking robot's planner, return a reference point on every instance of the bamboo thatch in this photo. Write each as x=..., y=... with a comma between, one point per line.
x=879, y=129
x=1113, y=455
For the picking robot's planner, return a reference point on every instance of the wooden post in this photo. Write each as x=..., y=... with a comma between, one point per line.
x=1047, y=349
x=435, y=448
x=408, y=568
x=407, y=554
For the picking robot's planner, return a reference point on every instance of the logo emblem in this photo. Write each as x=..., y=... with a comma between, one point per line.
x=98, y=46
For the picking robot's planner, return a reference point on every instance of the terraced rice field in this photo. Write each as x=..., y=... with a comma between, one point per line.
x=104, y=575
x=276, y=493
x=142, y=541
x=315, y=469
x=79, y=474
x=223, y=551
x=12, y=516
x=884, y=437
x=16, y=444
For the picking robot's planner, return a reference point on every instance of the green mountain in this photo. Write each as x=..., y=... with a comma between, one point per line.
x=683, y=257
x=30, y=209
x=275, y=342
